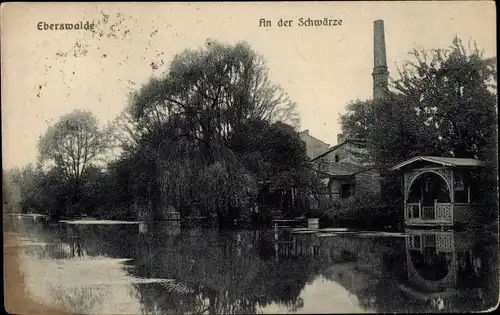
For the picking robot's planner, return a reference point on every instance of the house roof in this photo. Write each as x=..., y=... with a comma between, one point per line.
x=445, y=161
x=341, y=169
x=314, y=146
x=355, y=141
x=306, y=133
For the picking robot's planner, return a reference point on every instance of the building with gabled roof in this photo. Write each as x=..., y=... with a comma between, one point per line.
x=314, y=146
x=343, y=171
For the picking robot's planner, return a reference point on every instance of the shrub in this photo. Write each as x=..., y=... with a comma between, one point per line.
x=363, y=208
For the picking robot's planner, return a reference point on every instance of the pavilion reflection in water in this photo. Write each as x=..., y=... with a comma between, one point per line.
x=439, y=268
x=436, y=259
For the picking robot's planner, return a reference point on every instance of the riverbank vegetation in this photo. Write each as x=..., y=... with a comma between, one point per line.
x=201, y=139
x=212, y=134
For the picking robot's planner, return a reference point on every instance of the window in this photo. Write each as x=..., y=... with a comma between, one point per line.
x=346, y=190
x=336, y=158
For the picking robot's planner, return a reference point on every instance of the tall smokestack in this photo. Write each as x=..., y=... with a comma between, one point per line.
x=380, y=73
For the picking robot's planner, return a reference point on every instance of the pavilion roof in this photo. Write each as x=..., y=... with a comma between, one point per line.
x=444, y=161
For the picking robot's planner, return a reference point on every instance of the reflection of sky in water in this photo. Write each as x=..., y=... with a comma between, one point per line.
x=321, y=296
x=238, y=271
x=90, y=286
x=101, y=285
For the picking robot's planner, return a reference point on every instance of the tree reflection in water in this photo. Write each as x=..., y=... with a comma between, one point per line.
x=229, y=273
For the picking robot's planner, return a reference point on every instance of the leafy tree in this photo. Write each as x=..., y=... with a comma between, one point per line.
x=11, y=192
x=73, y=143
x=453, y=92
x=70, y=148
x=24, y=184
x=274, y=152
x=35, y=190
x=53, y=193
x=443, y=103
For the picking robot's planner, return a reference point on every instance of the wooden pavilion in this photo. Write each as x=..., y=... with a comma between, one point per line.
x=439, y=191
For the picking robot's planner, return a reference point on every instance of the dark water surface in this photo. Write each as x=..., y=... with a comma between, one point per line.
x=124, y=268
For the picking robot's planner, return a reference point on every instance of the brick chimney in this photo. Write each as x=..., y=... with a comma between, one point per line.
x=380, y=73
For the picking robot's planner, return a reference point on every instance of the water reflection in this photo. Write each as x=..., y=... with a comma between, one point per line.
x=83, y=300
x=441, y=260
x=444, y=267
x=171, y=270
x=228, y=272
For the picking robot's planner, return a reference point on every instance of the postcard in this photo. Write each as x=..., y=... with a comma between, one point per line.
x=249, y=157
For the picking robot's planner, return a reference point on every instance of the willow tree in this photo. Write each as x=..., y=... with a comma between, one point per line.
x=212, y=91
x=184, y=121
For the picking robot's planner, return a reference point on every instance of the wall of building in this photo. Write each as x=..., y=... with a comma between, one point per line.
x=336, y=187
x=314, y=146
x=363, y=182
x=346, y=153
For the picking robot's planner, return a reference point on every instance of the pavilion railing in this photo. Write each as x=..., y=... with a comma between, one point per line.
x=444, y=211
x=413, y=210
x=428, y=213
x=438, y=211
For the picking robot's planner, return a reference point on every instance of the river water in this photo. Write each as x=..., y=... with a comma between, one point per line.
x=163, y=269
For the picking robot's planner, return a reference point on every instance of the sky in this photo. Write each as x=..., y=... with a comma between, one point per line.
x=49, y=73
